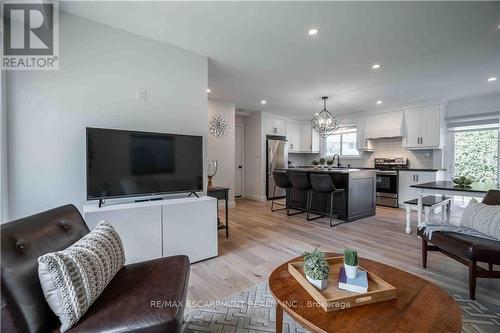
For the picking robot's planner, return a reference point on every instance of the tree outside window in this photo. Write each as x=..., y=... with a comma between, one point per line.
x=342, y=142
x=476, y=155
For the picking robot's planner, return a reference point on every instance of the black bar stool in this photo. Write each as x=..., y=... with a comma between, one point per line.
x=281, y=180
x=300, y=182
x=323, y=184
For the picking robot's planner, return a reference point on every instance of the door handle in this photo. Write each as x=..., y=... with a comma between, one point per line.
x=414, y=178
x=239, y=167
x=417, y=178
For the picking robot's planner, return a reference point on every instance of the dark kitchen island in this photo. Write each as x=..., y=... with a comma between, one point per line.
x=359, y=186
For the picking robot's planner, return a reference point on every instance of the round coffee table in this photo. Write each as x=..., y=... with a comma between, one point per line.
x=419, y=307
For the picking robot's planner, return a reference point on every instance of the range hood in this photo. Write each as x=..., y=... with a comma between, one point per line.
x=384, y=125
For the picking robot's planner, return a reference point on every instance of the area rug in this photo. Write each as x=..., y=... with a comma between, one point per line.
x=252, y=310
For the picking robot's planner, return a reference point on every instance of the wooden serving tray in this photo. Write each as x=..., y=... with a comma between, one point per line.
x=334, y=299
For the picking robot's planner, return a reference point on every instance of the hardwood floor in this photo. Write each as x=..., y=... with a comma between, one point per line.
x=260, y=240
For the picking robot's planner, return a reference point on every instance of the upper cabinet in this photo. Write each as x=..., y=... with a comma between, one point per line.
x=309, y=139
x=423, y=127
x=293, y=136
x=362, y=143
x=275, y=126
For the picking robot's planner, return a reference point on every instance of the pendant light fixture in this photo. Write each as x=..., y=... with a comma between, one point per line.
x=324, y=123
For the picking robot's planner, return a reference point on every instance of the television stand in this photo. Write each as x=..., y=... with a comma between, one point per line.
x=193, y=193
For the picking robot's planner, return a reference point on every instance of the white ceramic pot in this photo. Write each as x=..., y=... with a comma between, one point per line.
x=351, y=271
x=318, y=284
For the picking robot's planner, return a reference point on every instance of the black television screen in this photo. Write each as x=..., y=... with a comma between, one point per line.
x=128, y=163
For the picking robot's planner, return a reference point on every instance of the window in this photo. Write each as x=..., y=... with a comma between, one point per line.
x=474, y=147
x=342, y=142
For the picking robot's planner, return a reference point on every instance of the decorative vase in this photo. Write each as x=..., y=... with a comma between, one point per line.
x=351, y=271
x=318, y=284
x=211, y=172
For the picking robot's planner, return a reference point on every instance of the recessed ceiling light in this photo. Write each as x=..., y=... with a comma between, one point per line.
x=376, y=66
x=208, y=90
x=316, y=114
x=312, y=32
x=263, y=102
x=491, y=79
x=379, y=102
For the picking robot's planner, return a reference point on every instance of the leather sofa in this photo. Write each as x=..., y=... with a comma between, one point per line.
x=144, y=297
x=468, y=250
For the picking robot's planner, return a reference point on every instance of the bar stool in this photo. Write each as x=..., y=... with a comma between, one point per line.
x=281, y=180
x=323, y=184
x=300, y=182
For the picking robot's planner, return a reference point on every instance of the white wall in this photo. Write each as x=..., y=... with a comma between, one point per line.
x=100, y=71
x=254, y=158
x=221, y=149
x=473, y=105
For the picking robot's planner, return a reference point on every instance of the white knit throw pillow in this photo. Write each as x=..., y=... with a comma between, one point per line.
x=74, y=278
x=482, y=218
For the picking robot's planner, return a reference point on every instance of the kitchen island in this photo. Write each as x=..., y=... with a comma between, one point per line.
x=360, y=193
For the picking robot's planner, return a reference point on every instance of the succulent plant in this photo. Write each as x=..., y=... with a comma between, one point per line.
x=462, y=181
x=315, y=162
x=315, y=265
x=322, y=161
x=350, y=257
x=329, y=162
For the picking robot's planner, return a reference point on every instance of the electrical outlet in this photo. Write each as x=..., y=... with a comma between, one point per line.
x=141, y=95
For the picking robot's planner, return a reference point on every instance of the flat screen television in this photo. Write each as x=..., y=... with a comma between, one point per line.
x=129, y=163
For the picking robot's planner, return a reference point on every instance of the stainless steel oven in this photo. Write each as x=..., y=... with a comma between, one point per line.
x=387, y=188
x=387, y=180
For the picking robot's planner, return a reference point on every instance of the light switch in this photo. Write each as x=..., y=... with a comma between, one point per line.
x=141, y=95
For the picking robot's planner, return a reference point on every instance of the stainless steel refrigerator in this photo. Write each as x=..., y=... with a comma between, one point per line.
x=277, y=158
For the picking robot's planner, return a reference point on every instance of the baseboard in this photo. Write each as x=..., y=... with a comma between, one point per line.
x=254, y=197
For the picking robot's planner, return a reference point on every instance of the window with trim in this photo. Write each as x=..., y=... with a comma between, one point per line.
x=342, y=142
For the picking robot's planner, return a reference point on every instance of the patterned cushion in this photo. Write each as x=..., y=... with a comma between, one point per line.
x=74, y=278
x=482, y=218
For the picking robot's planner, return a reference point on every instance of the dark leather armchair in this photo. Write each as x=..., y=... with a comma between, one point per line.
x=468, y=250
x=144, y=297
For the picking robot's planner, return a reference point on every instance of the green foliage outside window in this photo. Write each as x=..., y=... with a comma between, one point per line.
x=476, y=155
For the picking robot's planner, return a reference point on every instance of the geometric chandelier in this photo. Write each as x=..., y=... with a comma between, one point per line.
x=324, y=123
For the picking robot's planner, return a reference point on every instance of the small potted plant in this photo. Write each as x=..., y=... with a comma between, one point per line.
x=316, y=269
x=351, y=263
x=322, y=161
x=315, y=163
x=329, y=163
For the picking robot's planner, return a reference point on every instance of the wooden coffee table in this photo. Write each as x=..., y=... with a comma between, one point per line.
x=420, y=306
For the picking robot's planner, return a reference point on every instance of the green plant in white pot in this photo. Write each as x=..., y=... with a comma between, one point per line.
x=351, y=263
x=316, y=269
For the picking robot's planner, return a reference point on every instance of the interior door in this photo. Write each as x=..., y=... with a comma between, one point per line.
x=238, y=160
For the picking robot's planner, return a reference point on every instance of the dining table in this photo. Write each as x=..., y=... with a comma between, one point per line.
x=447, y=187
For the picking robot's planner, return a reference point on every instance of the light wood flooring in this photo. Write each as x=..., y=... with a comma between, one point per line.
x=260, y=240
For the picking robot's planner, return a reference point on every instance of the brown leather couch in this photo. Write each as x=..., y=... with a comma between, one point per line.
x=144, y=297
x=468, y=250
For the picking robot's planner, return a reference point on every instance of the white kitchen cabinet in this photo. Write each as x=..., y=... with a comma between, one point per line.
x=423, y=127
x=293, y=136
x=275, y=126
x=309, y=139
x=362, y=143
x=407, y=179
x=315, y=141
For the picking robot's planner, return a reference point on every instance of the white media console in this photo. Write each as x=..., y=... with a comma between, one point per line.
x=155, y=229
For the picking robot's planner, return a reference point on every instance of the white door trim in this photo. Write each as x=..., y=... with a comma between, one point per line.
x=242, y=128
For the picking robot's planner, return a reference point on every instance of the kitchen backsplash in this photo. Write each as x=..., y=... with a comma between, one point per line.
x=388, y=147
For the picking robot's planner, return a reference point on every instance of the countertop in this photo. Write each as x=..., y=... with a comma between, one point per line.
x=448, y=185
x=365, y=168
x=325, y=170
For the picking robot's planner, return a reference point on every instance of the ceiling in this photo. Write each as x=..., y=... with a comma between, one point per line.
x=261, y=50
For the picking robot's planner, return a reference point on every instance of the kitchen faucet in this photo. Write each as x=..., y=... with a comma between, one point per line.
x=338, y=160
